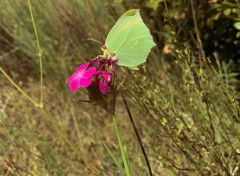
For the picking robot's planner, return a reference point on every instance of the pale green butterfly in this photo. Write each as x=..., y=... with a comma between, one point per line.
x=130, y=39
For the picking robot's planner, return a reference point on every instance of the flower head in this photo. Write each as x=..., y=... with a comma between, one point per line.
x=96, y=75
x=105, y=68
x=103, y=64
x=99, y=75
x=82, y=78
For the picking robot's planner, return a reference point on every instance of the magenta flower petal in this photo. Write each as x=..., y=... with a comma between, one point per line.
x=82, y=78
x=114, y=61
x=73, y=85
x=83, y=82
x=86, y=79
x=83, y=67
x=103, y=88
x=107, y=77
x=74, y=75
x=90, y=72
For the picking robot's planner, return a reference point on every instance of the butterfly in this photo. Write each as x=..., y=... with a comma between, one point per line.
x=129, y=40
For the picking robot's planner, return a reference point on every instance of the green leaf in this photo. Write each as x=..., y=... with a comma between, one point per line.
x=238, y=35
x=130, y=39
x=227, y=11
x=237, y=25
x=153, y=3
x=228, y=4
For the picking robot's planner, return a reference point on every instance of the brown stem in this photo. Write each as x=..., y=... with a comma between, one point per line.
x=95, y=21
x=197, y=32
x=112, y=9
x=138, y=136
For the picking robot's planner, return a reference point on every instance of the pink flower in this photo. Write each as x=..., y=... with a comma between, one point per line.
x=103, y=79
x=103, y=88
x=107, y=77
x=101, y=69
x=82, y=78
x=105, y=68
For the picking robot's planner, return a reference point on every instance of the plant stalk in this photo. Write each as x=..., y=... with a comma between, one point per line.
x=19, y=89
x=137, y=134
x=121, y=146
x=39, y=52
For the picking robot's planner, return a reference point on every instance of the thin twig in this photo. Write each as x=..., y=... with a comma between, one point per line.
x=194, y=18
x=19, y=89
x=95, y=21
x=194, y=40
x=138, y=136
x=197, y=33
x=39, y=52
x=168, y=16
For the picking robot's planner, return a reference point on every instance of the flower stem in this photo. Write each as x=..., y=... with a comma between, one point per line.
x=39, y=52
x=121, y=146
x=137, y=134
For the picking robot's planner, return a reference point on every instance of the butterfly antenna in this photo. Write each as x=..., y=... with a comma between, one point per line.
x=95, y=21
x=91, y=39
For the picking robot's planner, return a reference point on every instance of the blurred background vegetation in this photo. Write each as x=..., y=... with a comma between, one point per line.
x=186, y=107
